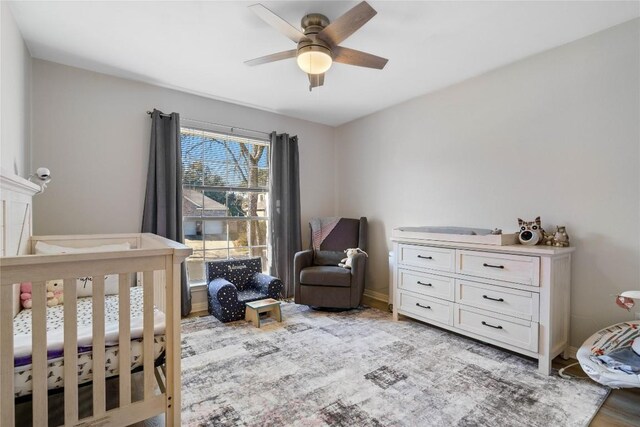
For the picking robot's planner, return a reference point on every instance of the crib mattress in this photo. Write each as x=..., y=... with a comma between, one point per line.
x=55, y=324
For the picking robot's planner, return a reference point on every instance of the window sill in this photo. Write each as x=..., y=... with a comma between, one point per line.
x=194, y=286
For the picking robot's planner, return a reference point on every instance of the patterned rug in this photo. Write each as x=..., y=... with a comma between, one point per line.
x=359, y=368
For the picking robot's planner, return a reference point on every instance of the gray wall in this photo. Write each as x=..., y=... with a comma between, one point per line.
x=92, y=131
x=15, y=86
x=555, y=135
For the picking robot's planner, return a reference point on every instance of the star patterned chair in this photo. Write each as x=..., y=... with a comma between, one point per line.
x=233, y=283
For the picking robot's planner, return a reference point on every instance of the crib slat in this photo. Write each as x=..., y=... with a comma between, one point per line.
x=98, y=346
x=7, y=408
x=148, y=334
x=70, y=352
x=172, y=331
x=124, y=361
x=39, y=353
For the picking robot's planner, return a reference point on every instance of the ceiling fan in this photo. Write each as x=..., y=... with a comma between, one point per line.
x=318, y=41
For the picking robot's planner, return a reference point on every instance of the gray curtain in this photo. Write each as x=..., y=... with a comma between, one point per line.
x=284, y=208
x=163, y=199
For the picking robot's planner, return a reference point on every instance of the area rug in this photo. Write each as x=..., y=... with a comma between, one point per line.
x=360, y=368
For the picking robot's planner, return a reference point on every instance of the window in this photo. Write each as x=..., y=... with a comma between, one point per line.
x=225, y=184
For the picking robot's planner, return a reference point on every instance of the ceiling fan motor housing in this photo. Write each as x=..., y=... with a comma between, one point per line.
x=312, y=24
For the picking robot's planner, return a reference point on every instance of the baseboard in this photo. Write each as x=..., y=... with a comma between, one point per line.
x=376, y=295
x=199, y=297
x=572, y=351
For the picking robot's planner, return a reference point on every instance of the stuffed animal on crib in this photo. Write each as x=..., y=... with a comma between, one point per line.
x=346, y=262
x=54, y=293
x=25, y=295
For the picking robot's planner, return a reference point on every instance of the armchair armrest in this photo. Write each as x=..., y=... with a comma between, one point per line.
x=301, y=260
x=358, y=272
x=269, y=285
x=223, y=289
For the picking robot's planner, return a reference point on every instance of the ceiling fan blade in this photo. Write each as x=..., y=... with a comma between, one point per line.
x=272, y=58
x=347, y=24
x=315, y=80
x=345, y=55
x=278, y=23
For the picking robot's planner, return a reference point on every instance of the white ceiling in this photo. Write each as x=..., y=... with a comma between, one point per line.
x=200, y=47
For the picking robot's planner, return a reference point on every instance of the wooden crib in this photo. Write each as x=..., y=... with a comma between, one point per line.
x=153, y=263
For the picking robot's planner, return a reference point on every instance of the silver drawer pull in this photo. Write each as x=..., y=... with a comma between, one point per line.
x=424, y=284
x=425, y=257
x=491, y=326
x=493, y=266
x=423, y=306
x=493, y=299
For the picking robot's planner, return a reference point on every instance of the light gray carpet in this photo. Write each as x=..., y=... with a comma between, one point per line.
x=359, y=368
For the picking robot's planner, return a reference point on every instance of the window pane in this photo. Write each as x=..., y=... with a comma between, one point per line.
x=262, y=253
x=238, y=234
x=195, y=267
x=193, y=234
x=217, y=254
x=214, y=203
x=215, y=234
x=239, y=253
x=237, y=203
x=257, y=231
x=192, y=202
x=255, y=204
x=192, y=160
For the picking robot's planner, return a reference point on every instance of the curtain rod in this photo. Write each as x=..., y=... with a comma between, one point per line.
x=231, y=128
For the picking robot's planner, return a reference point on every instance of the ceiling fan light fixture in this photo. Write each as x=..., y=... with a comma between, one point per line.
x=314, y=59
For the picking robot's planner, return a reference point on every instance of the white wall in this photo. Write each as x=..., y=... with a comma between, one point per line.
x=555, y=135
x=15, y=87
x=93, y=132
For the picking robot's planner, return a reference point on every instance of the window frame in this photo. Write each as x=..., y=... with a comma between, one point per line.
x=226, y=219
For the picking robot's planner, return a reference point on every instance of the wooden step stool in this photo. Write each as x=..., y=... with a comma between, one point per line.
x=269, y=305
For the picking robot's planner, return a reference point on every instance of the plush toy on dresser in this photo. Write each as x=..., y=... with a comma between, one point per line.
x=531, y=233
x=560, y=237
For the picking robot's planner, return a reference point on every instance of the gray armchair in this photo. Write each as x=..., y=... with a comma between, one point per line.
x=318, y=279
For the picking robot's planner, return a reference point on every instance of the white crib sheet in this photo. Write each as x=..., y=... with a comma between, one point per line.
x=55, y=343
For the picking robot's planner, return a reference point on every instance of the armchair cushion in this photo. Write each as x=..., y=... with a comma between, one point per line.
x=326, y=276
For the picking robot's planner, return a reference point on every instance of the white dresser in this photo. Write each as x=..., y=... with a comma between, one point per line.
x=516, y=297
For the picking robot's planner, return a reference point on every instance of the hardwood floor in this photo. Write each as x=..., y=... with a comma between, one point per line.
x=622, y=407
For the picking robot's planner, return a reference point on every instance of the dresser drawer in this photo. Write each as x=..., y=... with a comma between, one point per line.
x=427, y=308
x=511, y=268
x=511, y=302
x=426, y=284
x=427, y=257
x=512, y=331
